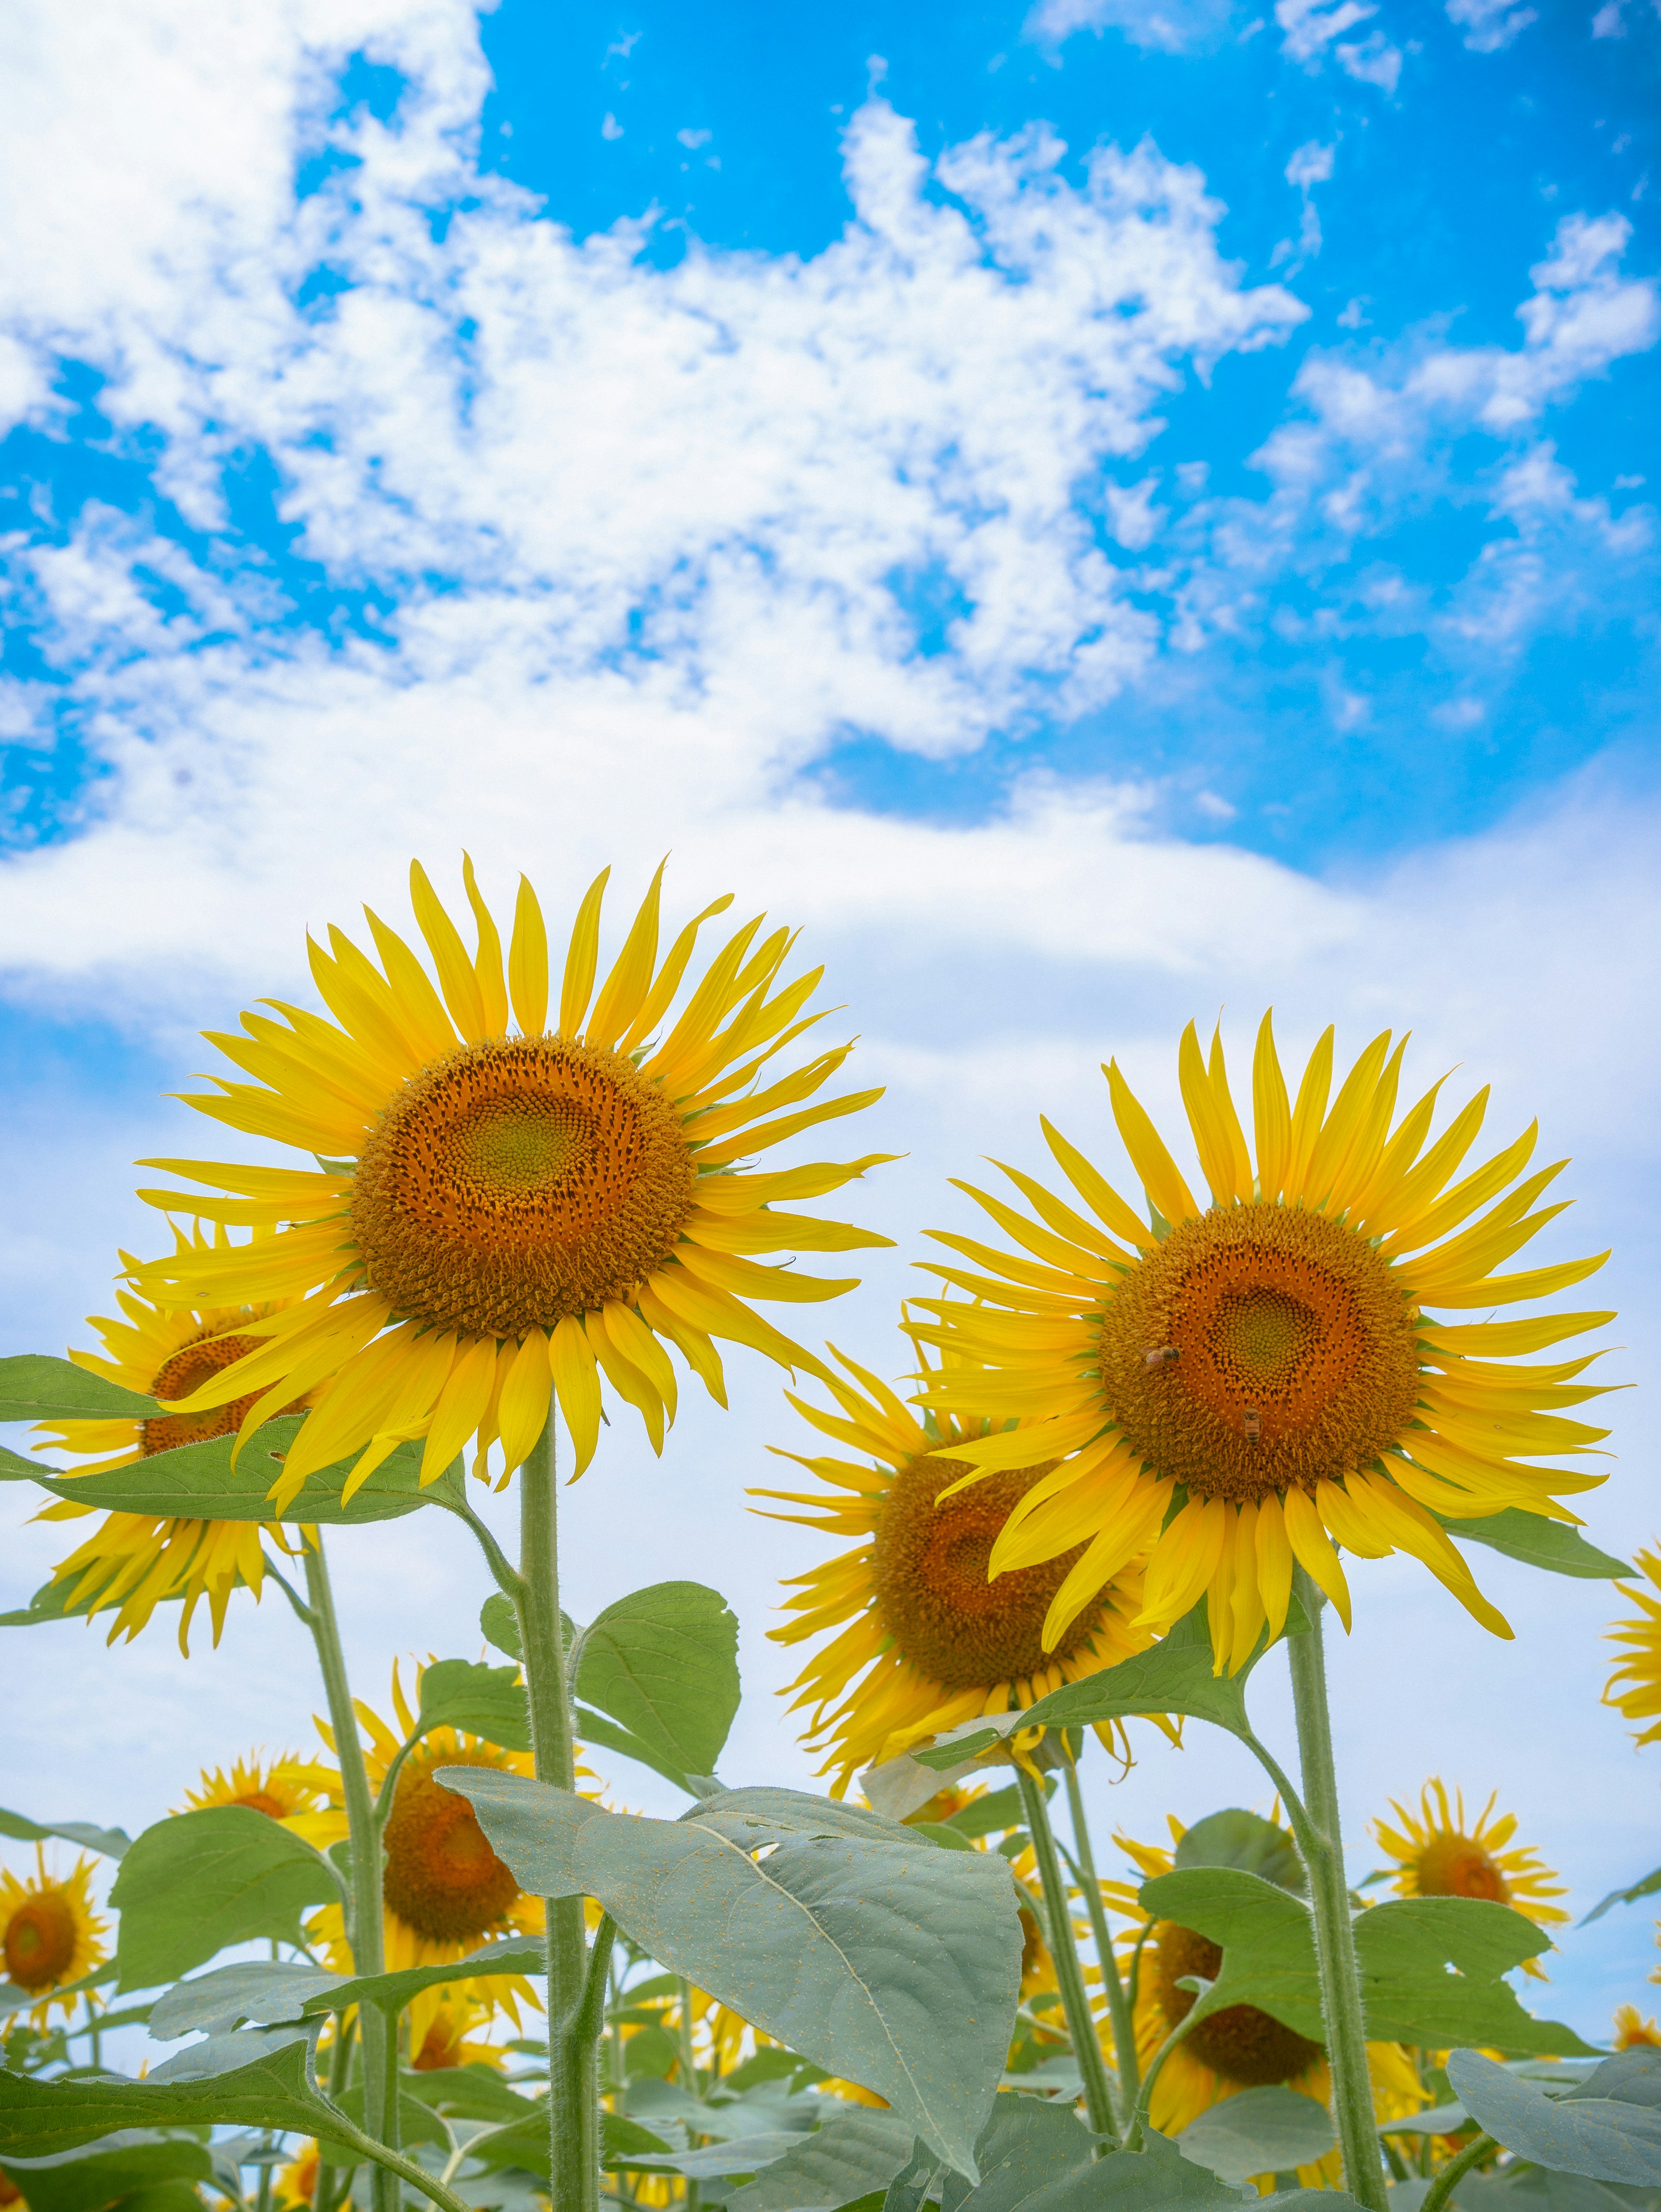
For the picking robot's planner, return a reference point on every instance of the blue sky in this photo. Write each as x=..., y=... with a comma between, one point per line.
x=1098, y=511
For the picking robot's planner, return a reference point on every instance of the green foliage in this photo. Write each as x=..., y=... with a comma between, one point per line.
x=515, y=1954
x=499, y=1625
x=1550, y=1545
x=487, y=1701
x=1647, y=1887
x=275, y=2090
x=199, y=1880
x=34, y=1387
x=109, y=2171
x=1237, y=1838
x=998, y=1810
x=662, y=1663
x=1608, y=2128
x=1025, y=2145
x=878, y=1955
x=1259, y=2131
x=109, y=1843
x=269, y=1990
x=847, y=2158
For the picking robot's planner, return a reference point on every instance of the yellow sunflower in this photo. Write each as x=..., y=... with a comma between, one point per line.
x=279, y=1788
x=1238, y=2048
x=296, y=2183
x=452, y=2038
x=1441, y=1853
x=49, y=1936
x=1237, y=1385
x=1632, y=2029
x=445, y=1892
x=497, y=1211
x=11, y=2198
x=926, y=1641
x=1634, y=1684
x=134, y=1561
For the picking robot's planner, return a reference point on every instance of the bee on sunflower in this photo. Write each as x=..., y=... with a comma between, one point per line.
x=1230, y=1390
x=133, y=1562
x=502, y=1206
x=1440, y=1852
x=50, y=1938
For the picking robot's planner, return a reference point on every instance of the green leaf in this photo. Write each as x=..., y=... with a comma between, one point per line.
x=664, y=1663
x=1647, y=1887
x=275, y=2089
x=487, y=1701
x=999, y=1809
x=1550, y=1545
x=224, y=2054
x=883, y=1958
x=472, y=2092
x=1260, y=2132
x=196, y=1482
x=1156, y=2179
x=500, y=1625
x=71, y=1598
x=104, y=2172
x=941, y=1833
x=35, y=1388
x=517, y=1954
x=109, y=1843
x=746, y=2153
x=1027, y=2143
x=847, y=2157
x=1237, y=1838
x=269, y=1990
x=1608, y=2136
x=194, y=1883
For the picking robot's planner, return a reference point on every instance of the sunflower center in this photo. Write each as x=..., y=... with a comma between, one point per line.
x=189, y=1368
x=442, y=1879
x=513, y=1183
x=1289, y=1353
x=928, y=1570
x=261, y=1801
x=39, y=1942
x=1249, y=2048
x=1454, y=1866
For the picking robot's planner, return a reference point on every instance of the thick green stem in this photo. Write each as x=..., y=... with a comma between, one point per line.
x=572, y=2074
x=1329, y=1897
x=1118, y=2002
x=1455, y=2172
x=340, y=2059
x=1069, y=1974
x=364, y=1931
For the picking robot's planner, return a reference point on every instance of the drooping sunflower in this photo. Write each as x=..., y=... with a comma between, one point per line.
x=445, y=1892
x=279, y=1788
x=50, y=1936
x=136, y=1561
x=1634, y=1683
x=1240, y=1384
x=926, y=1641
x=1439, y=1852
x=499, y=1208
x=1238, y=2048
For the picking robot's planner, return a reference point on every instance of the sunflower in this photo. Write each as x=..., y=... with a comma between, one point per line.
x=452, y=2038
x=1238, y=2048
x=136, y=1561
x=1632, y=2030
x=1237, y=1385
x=444, y=1890
x=928, y=1641
x=296, y=2183
x=1634, y=1684
x=496, y=1212
x=10, y=2196
x=1441, y=1853
x=49, y=1936
x=279, y=1788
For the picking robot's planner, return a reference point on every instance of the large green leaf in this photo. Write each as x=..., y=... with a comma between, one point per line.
x=1239, y=1838
x=86, y=2180
x=1157, y=2178
x=1026, y=2144
x=1260, y=2132
x=517, y=1954
x=225, y=2054
x=196, y=1482
x=71, y=1598
x=109, y=1843
x=194, y=1883
x=275, y=2089
x=663, y=1662
x=1609, y=2129
x=847, y=2157
x=33, y=1387
x=487, y=1701
x=269, y=1990
x=1405, y=1948
x=1551, y=1545
x=873, y=1952
x=745, y=2154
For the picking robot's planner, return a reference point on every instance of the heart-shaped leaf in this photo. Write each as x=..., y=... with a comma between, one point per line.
x=196, y=1882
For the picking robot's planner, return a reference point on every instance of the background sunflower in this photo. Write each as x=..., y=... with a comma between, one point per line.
x=1441, y=1852
x=1634, y=1683
x=50, y=1936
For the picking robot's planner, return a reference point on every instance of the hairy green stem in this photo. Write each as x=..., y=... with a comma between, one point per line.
x=1069, y=1974
x=364, y=1921
x=1329, y=1897
x=1455, y=2172
x=1118, y=2002
x=393, y=2164
x=572, y=2074
x=340, y=2059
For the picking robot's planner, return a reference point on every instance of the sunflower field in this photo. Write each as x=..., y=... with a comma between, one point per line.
x=1131, y=1447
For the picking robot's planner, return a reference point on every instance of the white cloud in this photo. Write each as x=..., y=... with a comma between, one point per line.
x=1171, y=26
x=1313, y=29
x=1490, y=25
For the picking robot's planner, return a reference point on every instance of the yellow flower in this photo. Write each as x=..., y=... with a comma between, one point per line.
x=296, y=2183
x=1442, y=1854
x=925, y=1640
x=281, y=1788
x=1634, y=1684
x=1238, y=2048
x=498, y=1213
x=49, y=1936
x=451, y=2040
x=1632, y=2029
x=136, y=1561
x=1240, y=1385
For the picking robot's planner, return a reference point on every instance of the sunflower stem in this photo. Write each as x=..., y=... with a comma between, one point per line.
x=364, y=1928
x=572, y=2074
x=1118, y=2002
x=1455, y=2172
x=1329, y=1893
x=1069, y=1974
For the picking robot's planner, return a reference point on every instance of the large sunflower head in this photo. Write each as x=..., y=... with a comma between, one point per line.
x=50, y=1936
x=132, y=1562
x=1241, y=1384
x=1440, y=1851
x=926, y=1639
x=1634, y=1683
x=281, y=1788
x=512, y=1195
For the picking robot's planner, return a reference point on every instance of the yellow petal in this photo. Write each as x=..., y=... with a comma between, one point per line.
x=487, y=961
x=1211, y=1136
x=456, y=978
x=1217, y=1071
x=1313, y=1549
x=624, y=989
x=1271, y=1116
x=572, y=1362
x=461, y=1404
x=1148, y=1156
x=1308, y=1114
x=523, y=1410
x=527, y=963
x=582, y=958
x=1097, y=1194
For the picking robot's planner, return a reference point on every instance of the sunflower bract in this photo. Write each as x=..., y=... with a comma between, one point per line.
x=502, y=1209
x=1243, y=1386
